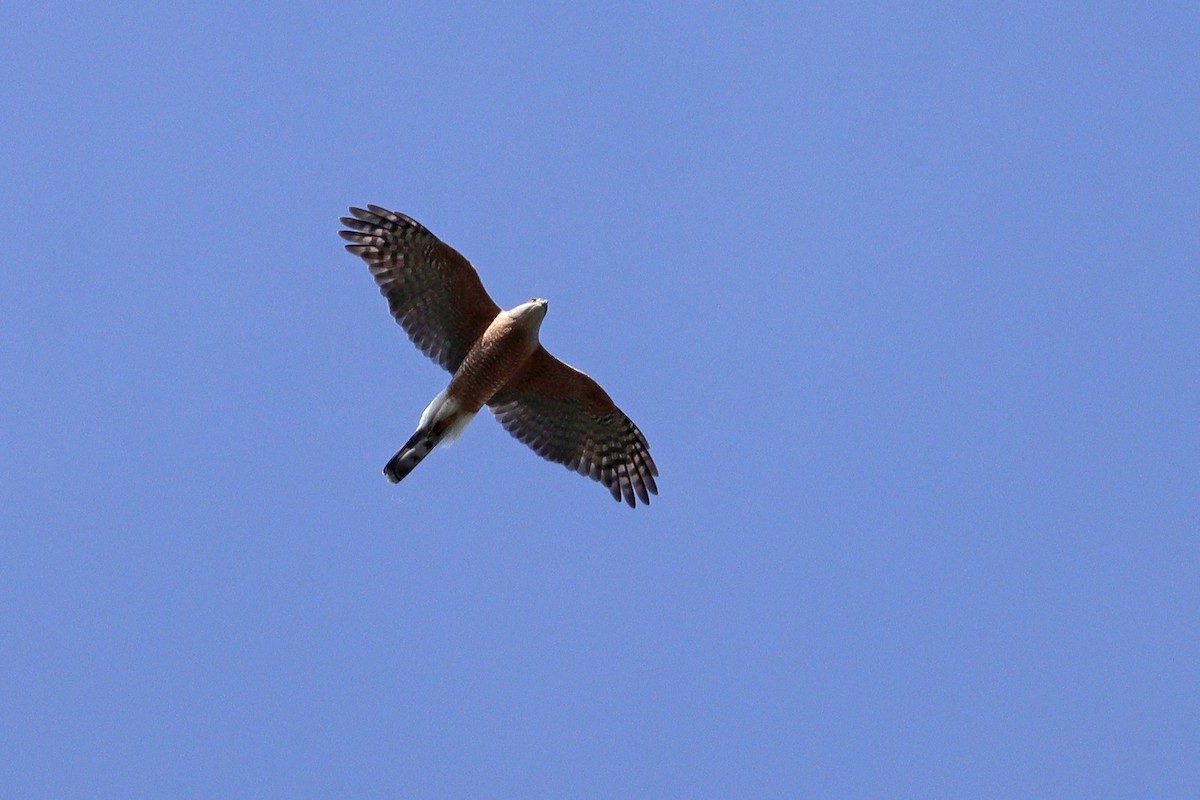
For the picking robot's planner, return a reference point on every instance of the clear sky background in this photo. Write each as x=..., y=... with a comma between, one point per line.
x=905, y=300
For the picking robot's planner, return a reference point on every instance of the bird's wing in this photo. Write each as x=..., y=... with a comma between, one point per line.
x=564, y=416
x=434, y=293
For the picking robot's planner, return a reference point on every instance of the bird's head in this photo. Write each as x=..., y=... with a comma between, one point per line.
x=531, y=311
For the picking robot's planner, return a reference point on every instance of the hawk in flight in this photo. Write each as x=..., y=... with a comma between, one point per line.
x=495, y=358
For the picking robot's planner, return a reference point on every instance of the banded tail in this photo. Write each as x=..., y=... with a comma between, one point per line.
x=441, y=423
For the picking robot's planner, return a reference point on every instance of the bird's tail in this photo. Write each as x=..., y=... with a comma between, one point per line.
x=420, y=445
x=442, y=423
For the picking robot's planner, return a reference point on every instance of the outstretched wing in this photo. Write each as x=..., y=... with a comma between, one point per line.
x=434, y=293
x=564, y=416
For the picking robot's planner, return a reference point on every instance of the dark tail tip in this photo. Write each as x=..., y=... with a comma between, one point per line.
x=400, y=465
x=409, y=456
x=391, y=470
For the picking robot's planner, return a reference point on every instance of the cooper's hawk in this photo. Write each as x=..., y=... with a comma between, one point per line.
x=495, y=358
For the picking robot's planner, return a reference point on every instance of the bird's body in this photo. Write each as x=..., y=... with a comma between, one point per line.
x=496, y=359
x=499, y=354
x=491, y=362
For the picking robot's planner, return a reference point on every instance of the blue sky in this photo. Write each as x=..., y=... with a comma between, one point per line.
x=904, y=299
